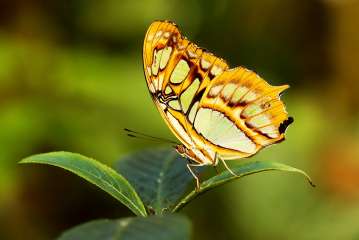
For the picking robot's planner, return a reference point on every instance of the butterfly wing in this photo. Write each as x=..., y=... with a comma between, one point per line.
x=210, y=108
x=240, y=113
x=177, y=73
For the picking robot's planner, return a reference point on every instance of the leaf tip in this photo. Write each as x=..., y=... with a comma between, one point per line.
x=312, y=183
x=24, y=160
x=309, y=179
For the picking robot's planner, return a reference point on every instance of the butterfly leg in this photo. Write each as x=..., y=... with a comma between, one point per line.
x=226, y=166
x=194, y=175
x=216, y=159
x=216, y=169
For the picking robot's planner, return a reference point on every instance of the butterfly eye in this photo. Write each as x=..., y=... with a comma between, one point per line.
x=181, y=149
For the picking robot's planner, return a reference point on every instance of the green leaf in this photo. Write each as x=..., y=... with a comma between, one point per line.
x=174, y=227
x=95, y=172
x=241, y=171
x=159, y=176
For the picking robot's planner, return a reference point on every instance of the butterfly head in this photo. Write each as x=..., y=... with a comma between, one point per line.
x=181, y=149
x=185, y=152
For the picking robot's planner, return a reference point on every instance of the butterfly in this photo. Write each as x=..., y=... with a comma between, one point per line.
x=217, y=112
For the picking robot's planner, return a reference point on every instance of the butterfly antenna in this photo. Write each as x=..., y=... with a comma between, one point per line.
x=144, y=138
x=136, y=134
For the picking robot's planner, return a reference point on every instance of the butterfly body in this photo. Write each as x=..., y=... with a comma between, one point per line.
x=216, y=112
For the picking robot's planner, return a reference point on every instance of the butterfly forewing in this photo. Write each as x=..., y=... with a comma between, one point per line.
x=211, y=109
x=177, y=73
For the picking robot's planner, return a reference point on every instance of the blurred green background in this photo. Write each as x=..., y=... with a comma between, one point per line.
x=71, y=79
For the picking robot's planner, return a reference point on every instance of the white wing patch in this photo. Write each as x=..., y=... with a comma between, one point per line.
x=215, y=90
x=219, y=130
x=216, y=70
x=228, y=90
x=156, y=61
x=260, y=121
x=180, y=72
x=175, y=105
x=193, y=112
x=251, y=110
x=271, y=131
x=187, y=96
x=249, y=97
x=238, y=94
x=168, y=90
x=205, y=64
x=166, y=54
x=151, y=87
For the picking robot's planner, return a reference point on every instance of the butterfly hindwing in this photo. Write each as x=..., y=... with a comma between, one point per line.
x=250, y=110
